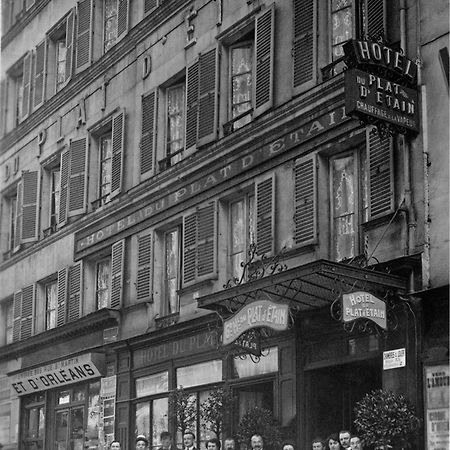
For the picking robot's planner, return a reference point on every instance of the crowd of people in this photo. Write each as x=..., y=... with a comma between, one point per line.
x=343, y=440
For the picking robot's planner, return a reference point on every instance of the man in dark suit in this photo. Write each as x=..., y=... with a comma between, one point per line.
x=189, y=440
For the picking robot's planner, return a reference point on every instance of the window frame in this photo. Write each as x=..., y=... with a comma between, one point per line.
x=104, y=198
x=165, y=304
x=111, y=42
x=108, y=259
x=172, y=158
x=49, y=311
x=7, y=307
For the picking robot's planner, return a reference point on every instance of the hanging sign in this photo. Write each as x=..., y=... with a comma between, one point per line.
x=363, y=305
x=261, y=313
x=250, y=342
x=393, y=359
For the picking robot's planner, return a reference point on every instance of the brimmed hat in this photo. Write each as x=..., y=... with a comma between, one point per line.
x=141, y=437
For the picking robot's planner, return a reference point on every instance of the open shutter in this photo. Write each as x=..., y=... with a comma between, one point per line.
x=304, y=44
x=265, y=215
x=381, y=174
x=70, y=35
x=117, y=266
x=191, y=105
x=305, y=200
x=206, y=241
x=75, y=298
x=123, y=20
x=84, y=35
x=17, y=312
x=40, y=58
x=118, y=139
x=64, y=188
x=264, y=36
x=148, y=134
x=27, y=315
x=62, y=296
x=375, y=16
x=189, y=247
x=27, y=60
x=78, y=163
x=144, y=267
x=207, y=114
x=18, y=217
x=30, y=206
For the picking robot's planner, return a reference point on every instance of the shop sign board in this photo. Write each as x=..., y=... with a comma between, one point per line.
x=60, y=373
x=394, y=359
x=260, y=313
x=363, y=305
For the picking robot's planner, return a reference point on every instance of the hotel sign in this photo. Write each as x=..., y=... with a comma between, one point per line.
x=362, y=305
x=261, y=313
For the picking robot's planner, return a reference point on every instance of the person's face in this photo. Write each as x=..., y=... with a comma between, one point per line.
x=188, y=440
x=212, y=446
x=257, y=443
x=317, y=446
x=115, y=446
x=355, y=443
x=345, y=439
x=165, y=442
x=141, y=445
x=333, y=445
x=288, y=447
x=229, y=444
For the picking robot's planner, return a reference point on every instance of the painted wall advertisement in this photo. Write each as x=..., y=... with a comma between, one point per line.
x=108, y=411
x=437, y=406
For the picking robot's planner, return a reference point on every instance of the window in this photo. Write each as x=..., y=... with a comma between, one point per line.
x=51, y=304
x=172, y=273
x=8, y=315
x=175, y=123
x=55, y=188
x=33, y=422
x=110, y=24
x=103, y=281
x=342, y=28
x=105, y=167
x=19, y=82
x=11, y=205
x=61, y=56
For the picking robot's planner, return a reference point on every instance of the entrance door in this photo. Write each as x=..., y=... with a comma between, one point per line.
x=333, y=393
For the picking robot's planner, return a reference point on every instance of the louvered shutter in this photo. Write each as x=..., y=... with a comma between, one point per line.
x=206, y=241
x=148, y=134
x=149, y=5
x=375, y=16
x=78, y=164
x=305, y=200
x=18, y=217
x=265, y=215
x=263, y=85
x=17, y=311
x=304, y=44
x=144, y=267
x=70, y=36
x=27, y=60
x=207, y=114
x=122, y=17
x=381, y=174
x=75, y=288
x=189, y=247
x=118, y=139
x=30, y=206
x=64, y=188
x=27, y=314
x=117, y=267
x=191, y=105
x=84, y=35
x=62, y=297
x=40, y=58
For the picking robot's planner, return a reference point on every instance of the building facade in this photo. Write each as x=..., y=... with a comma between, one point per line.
x=166, y=164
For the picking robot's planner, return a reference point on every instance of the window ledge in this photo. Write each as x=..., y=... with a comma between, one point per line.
x=381, y=220
x=197, y=285
x=167, y=321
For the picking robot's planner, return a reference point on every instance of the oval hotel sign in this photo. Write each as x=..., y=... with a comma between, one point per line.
x=362, y=305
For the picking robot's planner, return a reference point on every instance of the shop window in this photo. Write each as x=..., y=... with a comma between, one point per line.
x=172, y=272
x=51, y=304
x=115, y=21
x=33, y=422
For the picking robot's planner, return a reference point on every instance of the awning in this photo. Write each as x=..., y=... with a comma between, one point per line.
x=311, y=286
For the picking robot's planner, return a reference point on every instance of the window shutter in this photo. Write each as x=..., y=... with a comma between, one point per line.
x=118, y=139
x=305, y=200
x=207, y=115
x=149, y=5
x=144, y=267
x=62, y=295
x=18, y=218
x=75, y=299
x=381, y=174
x=264, y=36
x=64, y=187
x=375, y=16
x=123, y=20
x=206, y=241
x=117, y=266
x=17, y=312
x=30, y=206
x=191, y=105
x=27, y=60
x=190, y=247
x=265, y=215
x=39, y=74
x=70, y=35
x=84, y=35
x=78, y=164
x=148, y=136
x=27, y=315
x=304, y=44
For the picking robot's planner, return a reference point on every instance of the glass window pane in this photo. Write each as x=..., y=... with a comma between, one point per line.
x=241, y=59
x=77, y=428
x=93, y=415
x=152, y=384
x=160, y=419
x=247, y=368
x=79, y=394
x=61, y=430
x=198, y=374
x=142, y=419
x=342, y=30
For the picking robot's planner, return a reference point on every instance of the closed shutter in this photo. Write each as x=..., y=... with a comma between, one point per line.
x=78, y=164
x=17, y=311
x=117, y=267
x=148, y=134
x=75, y=298
x=64, y=187
x=375, y=16
x=39, y=74
x=70, y=36
x=206, y=241
x=207, y=114
x=304, y=44
x=62, y=296
x=265, y=215
x=18, y=217
x=191, y=105
x=264, y=36
x=27, y=60
x=144, y=267
x=84, y=35
x=149, y=5
x=122, y=19
x=381, y=174
x=30, y=206
x=189, y=247
x=118, y=139
x=305, y=200
x=27, y=314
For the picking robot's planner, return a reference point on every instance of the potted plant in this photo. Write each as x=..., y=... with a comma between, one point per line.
x=185, y=409
x=386, y=420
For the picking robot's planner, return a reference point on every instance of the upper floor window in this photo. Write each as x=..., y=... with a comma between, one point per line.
x=175, y=122
x=110, y=24
x=11, y=204
x=103, y=283
x=51, y=302
x=8, y=315
x=342, y=26
x=172, y=275
x=105, y=167
x=55, y=187
x=61, y=56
